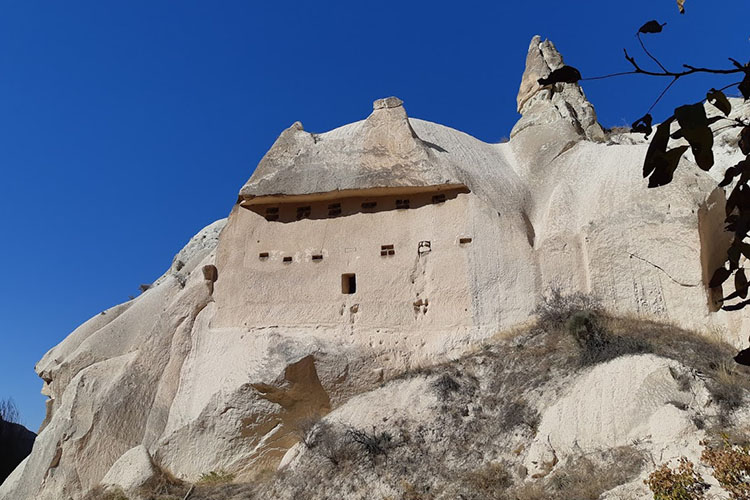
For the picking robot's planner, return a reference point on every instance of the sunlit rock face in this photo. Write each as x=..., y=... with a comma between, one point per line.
x=354, y=255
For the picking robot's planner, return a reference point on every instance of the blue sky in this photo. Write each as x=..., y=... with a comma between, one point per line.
x=125, y=127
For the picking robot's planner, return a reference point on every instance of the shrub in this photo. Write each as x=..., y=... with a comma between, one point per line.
x=556, y=308
x=332, y=444
x=373, y=443
x=731, y=467
x=681, y=483
x=596, y=344
x=305, y=430
x=445, y=385
x=488, y=482
x=518, y=413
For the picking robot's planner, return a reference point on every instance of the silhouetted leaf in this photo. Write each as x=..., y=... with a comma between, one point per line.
x=733, y=200
x=694, y=127
x=733, y=257
x=719, y=277
x=681, y=6
x=744, y=249
x=658, y=147
x=744, y=86
x=660, y=164
x=643, y=125
x=566, y=74
x=740, y=283
x=651, y=27
x=730, y=174
x=718, y=99
x=744, y=142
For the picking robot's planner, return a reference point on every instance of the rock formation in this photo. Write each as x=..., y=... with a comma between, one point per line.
x=16, y=442
x=355, y=255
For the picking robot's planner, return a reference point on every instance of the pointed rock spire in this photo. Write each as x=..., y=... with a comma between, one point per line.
x=563, y=102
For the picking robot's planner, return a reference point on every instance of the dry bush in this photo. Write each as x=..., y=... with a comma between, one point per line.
x=163, y=486
x=680, y=483
x=556, y=309
x=305, y=429
x=596, y=344
x=445, y=385
x=489, y=482
x=518, y=413
x=331, y=442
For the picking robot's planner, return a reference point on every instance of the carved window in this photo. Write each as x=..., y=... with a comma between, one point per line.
x=304, y=212
x=369, y=205
x=348, y=283
x=317, y=257
x=263, y=255
x=401, y=204
x=464, y=241
x=334, y=209
x=386, y=250
x=287, y=260
x=272, y=213
x=438, y=198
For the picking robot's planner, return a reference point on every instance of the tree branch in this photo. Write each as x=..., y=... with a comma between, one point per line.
x=638, y=35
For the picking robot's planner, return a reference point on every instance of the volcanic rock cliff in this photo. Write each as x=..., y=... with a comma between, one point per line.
x=355, y=256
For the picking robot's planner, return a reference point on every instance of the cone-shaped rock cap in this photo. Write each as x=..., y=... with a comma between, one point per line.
x=544, y=105
x=381, y=151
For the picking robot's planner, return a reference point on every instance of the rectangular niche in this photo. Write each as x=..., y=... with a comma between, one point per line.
x=464, y=241
x=402, y=204
x=304, y=212
x=272, y=213
x=438, y=198
x=287, y=260
x=369, y=205
x=317, y=257
x=348, y=283
x=386, y=250
x=334, y=209
x=263, y=255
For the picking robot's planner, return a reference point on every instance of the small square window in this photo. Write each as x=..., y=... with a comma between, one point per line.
x=334, y=209
x=401, y=204
x=386, y=250
x=303, y=212
x=272, y=213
